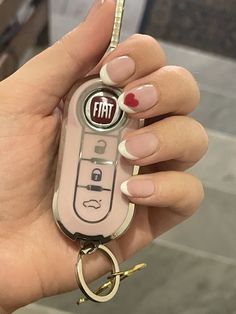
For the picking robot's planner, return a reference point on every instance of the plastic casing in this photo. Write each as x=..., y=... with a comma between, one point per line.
x=77, y=158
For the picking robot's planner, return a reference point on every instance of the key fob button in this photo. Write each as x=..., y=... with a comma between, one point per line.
x=90, y=174
x=99, y=146
x=92, y=207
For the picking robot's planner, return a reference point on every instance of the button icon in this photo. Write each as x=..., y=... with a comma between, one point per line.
x=96, y=175
x=101, y=147
x=92, y=204
x=92, y=145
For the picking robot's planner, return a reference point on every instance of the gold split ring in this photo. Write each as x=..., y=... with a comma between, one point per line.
x=94, y=296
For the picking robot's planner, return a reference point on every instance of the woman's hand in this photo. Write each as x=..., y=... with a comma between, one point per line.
x=36, y=259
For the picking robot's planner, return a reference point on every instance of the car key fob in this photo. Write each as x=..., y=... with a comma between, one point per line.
x=88, y=204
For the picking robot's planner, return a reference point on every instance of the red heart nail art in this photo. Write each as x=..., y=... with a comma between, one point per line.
x=131, y=101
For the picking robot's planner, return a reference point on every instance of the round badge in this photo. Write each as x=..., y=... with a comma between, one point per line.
x=102, y=110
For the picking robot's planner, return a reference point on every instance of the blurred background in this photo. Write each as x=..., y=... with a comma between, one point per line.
x=191, y=269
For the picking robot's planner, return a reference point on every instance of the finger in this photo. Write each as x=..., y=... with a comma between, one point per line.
x=179, y=191
x=171, y=89
x=50, y=75
x=177, y=138
x=176, y=197
x=136, y=57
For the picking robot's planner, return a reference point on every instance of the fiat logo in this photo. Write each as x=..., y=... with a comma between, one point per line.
x=102, y=110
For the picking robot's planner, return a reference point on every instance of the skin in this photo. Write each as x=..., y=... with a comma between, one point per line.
x=37, y=260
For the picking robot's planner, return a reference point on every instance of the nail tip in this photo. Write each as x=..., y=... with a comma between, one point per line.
x=124, y=188
x=123, y=151
x=105, y=76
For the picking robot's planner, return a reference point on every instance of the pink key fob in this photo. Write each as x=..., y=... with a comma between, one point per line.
x=88, y=204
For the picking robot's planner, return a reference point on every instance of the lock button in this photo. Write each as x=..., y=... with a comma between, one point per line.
x=96, y=175
x=95, y=178
x=99, y=146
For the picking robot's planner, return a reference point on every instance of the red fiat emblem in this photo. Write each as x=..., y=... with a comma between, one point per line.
x=103, y=109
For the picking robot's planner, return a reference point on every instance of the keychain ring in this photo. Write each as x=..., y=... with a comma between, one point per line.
x=83, y=285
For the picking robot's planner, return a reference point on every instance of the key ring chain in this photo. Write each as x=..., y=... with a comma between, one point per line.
x=80, y=276
x=113, y=283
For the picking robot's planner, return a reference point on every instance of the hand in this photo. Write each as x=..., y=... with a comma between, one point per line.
x=37, y=260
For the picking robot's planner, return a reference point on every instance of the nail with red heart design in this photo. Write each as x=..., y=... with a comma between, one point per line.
x=139, y=99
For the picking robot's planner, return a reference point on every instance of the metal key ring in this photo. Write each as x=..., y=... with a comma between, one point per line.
x=82, y=283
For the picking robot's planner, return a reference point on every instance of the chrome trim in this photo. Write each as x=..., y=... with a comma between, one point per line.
x=126, y=222
x=99, y=161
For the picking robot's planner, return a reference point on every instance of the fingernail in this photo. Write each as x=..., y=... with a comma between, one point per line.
x=140, y=188
x=140, y=146
x=117, y=71
x=139, y=99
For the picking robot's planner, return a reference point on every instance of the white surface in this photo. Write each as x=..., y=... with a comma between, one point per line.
x=67, y=14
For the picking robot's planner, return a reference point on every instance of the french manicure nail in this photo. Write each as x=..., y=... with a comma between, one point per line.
x=140, y=146
x=117, y=71
x=140, y=188
x=139, y=99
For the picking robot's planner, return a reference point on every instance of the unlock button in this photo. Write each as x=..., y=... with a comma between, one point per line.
x=99, y=146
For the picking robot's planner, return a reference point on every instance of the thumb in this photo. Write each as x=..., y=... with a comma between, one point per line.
x=45, y=79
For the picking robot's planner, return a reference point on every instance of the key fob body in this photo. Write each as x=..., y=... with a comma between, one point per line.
x=88, y=204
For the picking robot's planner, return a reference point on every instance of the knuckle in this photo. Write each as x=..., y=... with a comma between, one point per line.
x=179, y=125
x=194, y=196
x=62, y=44
x=148, y=40
x=150, y=44
x=199, y=195
x=195, y=135
x=199, y=133
x=183, y=198
x=185, y=78
x=203, y=136
x=144, y=39
x=179, y=71
x=136, y=36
